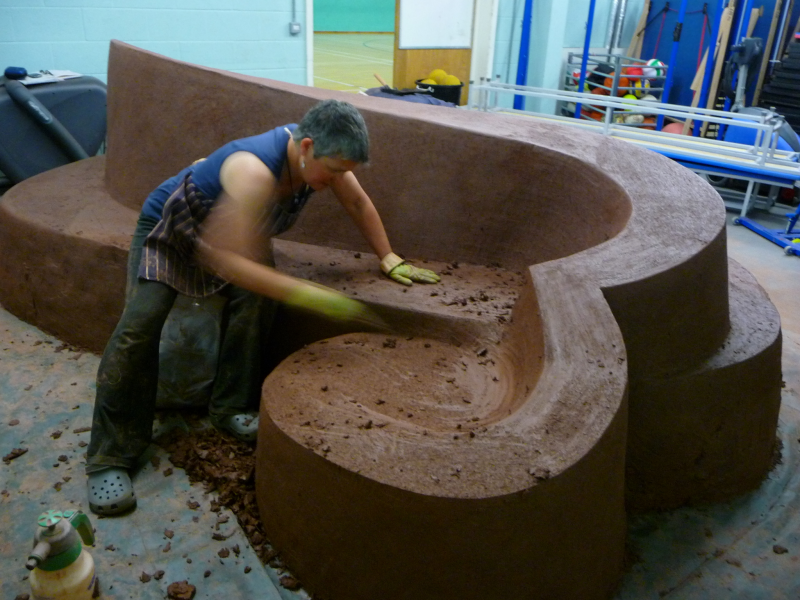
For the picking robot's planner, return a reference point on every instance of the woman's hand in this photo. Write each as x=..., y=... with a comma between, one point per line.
x=399, y=270
x=331, y=304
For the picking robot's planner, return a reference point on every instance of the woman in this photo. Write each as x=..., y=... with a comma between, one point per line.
x=207, y=230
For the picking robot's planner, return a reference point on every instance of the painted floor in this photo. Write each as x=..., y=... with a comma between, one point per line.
x=348, y=62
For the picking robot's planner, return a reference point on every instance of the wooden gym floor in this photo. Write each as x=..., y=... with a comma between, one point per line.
x=348, y=61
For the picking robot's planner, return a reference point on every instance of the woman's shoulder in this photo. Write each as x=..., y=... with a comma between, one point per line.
x=281, y=133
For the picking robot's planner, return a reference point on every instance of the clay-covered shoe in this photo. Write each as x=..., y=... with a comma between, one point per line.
x=243, y=426
x=111, y=491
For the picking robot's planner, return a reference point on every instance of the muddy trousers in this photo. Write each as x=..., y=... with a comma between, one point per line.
x=127, y=379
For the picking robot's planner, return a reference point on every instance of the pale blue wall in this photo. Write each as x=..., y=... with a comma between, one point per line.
x=354, y=15
x=245, y=36
x=547, y=43
x=506, y=52
x=556, y=25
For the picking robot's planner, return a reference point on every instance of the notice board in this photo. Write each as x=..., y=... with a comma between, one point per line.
x=435, y=24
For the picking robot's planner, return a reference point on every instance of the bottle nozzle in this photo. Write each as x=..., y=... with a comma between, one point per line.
x=37, y=555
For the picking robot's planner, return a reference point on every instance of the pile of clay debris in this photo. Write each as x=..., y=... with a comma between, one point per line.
x=226, y=467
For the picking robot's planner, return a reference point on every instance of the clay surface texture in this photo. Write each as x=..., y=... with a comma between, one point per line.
x=590, y=351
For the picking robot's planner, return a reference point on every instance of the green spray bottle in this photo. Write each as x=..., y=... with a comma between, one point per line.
x=61, y=568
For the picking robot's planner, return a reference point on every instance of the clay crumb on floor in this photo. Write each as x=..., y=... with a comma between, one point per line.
x=181, y=590
x=290, y=583
x=15, y=453
x=225, y=466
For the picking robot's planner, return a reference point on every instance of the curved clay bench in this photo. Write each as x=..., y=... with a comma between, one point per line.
x=376, y=475
x=592, y=346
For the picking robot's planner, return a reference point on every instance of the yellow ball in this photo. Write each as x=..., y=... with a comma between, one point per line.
x=429, y=82
x=437, y=75
x=451, y=80
x=640, y=87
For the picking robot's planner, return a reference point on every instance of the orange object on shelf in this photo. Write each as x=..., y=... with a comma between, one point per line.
x=649, y=123
x=623, y=83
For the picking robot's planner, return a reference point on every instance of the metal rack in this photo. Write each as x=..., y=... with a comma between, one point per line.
x=610, y=75
x=759, y=162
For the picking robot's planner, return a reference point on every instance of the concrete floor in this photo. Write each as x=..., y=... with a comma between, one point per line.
x=47, y=393
x=730, y=550
x=734, y=550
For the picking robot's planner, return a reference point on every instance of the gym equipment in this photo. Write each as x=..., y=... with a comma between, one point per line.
x=785, y=136
x=609, y=74
x=654, y=68
x=743, y=56
x=788, y=238
x=783, y=90
x=640, y=87
x=779, y=12
x=758, y=162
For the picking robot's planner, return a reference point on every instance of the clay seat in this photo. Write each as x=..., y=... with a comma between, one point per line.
x=628, y=363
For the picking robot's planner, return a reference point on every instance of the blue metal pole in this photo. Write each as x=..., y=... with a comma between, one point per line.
x=676, y=38
x=710, y=62
x=585, y=58
x=744, y=21
x=524, y=48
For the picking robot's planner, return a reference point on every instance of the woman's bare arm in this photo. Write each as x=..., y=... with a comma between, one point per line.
x=230, y=245
x=360, y=208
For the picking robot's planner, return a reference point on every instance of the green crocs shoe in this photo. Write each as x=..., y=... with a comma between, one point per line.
x=243, y=427
x=111, y=491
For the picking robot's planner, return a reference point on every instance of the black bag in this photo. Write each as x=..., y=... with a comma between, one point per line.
x=49, y=124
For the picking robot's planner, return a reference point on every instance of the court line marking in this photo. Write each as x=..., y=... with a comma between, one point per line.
x=340, y=83
x=382, y=61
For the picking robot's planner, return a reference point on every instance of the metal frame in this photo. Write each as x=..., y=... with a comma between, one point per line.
x=619, y=62
x=782, y=237
x=760, y=162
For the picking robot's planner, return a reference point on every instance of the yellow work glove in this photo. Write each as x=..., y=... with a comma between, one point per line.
x=331, y=304
x=402, y=272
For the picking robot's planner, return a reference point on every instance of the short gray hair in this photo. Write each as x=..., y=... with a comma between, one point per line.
x=337, y=130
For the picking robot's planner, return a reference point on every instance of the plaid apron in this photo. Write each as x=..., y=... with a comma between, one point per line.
x=170, y=250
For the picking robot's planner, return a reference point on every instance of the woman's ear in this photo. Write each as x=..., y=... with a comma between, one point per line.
x=307, y=147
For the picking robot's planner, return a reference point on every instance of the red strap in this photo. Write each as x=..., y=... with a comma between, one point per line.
x=660, y=29
x=702, y=37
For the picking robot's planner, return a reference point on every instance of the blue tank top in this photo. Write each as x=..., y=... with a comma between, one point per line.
x=269, y=147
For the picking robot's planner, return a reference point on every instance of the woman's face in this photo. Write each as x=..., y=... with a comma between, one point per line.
x=320, y=173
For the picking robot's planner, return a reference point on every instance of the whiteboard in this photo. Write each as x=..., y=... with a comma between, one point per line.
x=435, y=24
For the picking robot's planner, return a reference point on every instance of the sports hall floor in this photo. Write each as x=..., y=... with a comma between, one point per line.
x=724, y=551
x=348, y=62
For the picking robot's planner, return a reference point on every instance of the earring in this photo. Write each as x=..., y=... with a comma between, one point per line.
x=302, y=164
